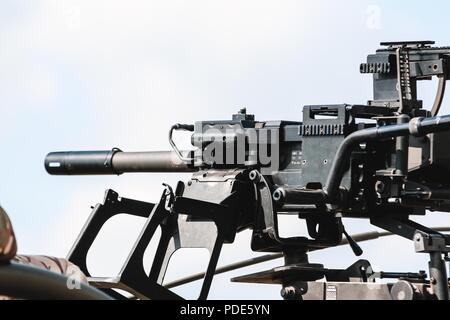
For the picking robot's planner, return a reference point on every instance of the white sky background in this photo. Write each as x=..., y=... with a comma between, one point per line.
x=96, y=74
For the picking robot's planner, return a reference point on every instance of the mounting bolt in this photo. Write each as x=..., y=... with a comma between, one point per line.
x=291, y=293
x=254, y=176
x=279, y=195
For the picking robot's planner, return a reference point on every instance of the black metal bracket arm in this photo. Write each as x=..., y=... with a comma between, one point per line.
x=425, y=240
x=184, y=223
x=112, y=206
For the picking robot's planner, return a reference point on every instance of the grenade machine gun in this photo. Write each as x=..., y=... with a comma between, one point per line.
x=384, y=161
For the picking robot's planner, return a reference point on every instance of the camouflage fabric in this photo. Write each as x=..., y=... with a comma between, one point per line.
x=58, y=265
x=8, y=249
x=8, y=245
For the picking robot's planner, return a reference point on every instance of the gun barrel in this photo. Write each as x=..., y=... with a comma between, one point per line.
x=113, y=162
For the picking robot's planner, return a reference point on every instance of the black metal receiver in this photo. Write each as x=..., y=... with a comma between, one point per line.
x=383, y=161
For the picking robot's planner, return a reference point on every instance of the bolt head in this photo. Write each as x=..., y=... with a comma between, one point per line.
x=254, y=175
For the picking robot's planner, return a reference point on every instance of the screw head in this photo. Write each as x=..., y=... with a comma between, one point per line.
x=290, y=293
x=254, y=176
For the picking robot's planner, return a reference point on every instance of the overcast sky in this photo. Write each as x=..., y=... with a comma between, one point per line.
x=100, y=74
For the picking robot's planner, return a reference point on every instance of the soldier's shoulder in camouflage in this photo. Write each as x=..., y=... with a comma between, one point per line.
x=8, y=244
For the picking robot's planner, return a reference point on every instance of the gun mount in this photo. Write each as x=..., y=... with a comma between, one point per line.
x=383, y=161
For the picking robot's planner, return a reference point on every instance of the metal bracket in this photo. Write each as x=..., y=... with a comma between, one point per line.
x=184, y=223
x=425, y=240
x=427, y=243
